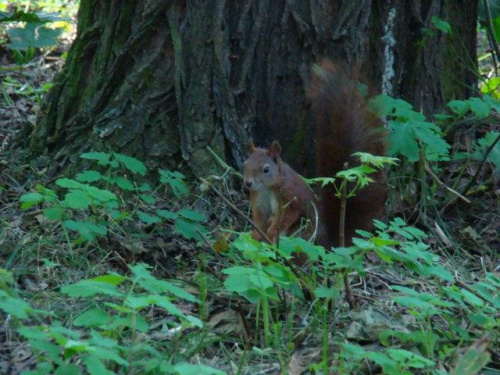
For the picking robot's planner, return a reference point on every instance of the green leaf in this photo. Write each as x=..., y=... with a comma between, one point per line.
x=375, y=161
x=382, y=105
x=132, y=164
x=460, y=107
x=176, y=182
x=100, y=194
x=70, y=184
x=409, y=359
x=77, y=199
x=67, y=369
x=472, y=298
x=189, y=229
x=148, y=219
x=15, y=306
x=89, y=288
x=441, y=25
x=413, y=302
x=149, y=199
x=492, y=87
x=53, y=351
x=95, y=366
x=92, y=318
x=34, y=333
x=111, y=279
x=249, y=283
x=485, y=143
x=86, y=229
x=102, y=158
x=123, y=183
x=144, y=187
x=479, y=107
x=33, y=35
x=110, y=355
x=144, y=278
x=30, y=199
x=327, y=293
x=189, y=369
x=402, y=140
x=167, y=214
x=53, y=213
x=191, y=215
x=89, y=176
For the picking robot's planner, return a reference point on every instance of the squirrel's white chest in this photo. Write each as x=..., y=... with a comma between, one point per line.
x=267, y=203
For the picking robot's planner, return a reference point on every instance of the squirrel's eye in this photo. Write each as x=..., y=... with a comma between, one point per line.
x=266, y=169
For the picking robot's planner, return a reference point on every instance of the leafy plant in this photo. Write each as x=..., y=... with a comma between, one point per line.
x=109, y=337
x=409, y=131
x=90, y=211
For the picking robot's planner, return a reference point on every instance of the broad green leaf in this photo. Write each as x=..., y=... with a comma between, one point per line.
x=327, y=293
x=190, y=230
x=402, y=140
x=441, y=25
x=191, y=214
x=89, y=176
x=111, y=279
x=70, y=184
x=100, y=194
x=86, y=229
x=149, y=199
x=460, y=107
x=153, y=285
x=189, y=369
x=95, y=366
x=15, y=306
x=102, y=341
x=30, y=199
x=67, y=369
x=472, y=298
x=53, y=351
x=53, y=213
x=102, y=158
x=34, y=333
x=148, y=219
x=92, y=318
x=492, y=87
x=382, y=105
x=166, y=214
x=123, y=183
x=110, y=355
x=409, y=359
x=176, y=182
x=132, y=164
x=485, y=143
x=89, y=288
x=77, y=199
x=413, y=303
x=33, y=35
x=479, y=107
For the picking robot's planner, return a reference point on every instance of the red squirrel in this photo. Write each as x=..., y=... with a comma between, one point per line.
x=279, y=196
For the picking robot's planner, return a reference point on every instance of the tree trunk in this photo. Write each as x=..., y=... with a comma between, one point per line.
x=168, y=81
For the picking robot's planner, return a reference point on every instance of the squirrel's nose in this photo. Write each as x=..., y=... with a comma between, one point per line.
x=248, y=184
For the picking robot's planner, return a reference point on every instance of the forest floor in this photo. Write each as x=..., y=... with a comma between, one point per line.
x=432, y=305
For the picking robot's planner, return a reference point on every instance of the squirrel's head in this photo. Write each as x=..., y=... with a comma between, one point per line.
x=261, y=169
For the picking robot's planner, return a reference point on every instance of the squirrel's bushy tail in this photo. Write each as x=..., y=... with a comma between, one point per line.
x=343, y=126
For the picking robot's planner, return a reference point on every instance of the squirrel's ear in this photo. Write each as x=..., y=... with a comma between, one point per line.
x=251, y=146
x=274, y=150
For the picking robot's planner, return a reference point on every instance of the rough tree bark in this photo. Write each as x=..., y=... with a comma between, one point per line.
x=167, y=80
